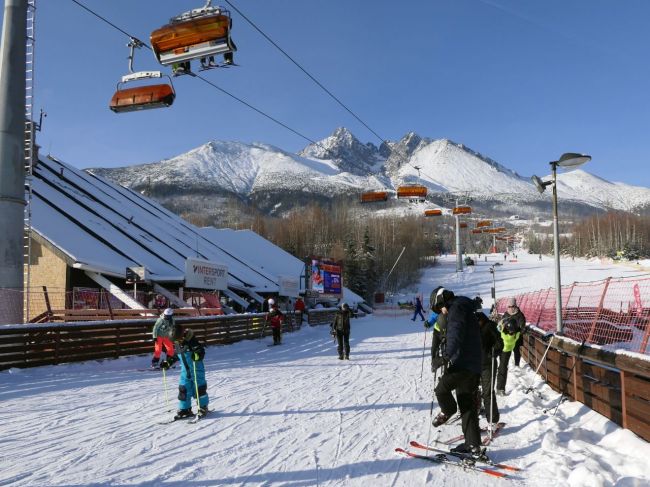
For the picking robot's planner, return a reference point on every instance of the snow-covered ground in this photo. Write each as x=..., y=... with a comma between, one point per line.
x=295, y=415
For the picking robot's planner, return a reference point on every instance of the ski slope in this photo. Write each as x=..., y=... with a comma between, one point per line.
x=294, y=415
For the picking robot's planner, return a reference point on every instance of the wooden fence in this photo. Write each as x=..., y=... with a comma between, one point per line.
x=33, y=345
x=613, y=384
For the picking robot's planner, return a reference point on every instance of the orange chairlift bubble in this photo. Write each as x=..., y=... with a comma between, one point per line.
x=199, y=33
x=433, y=212
x=483, y=223
x=461, y=210
x=462, y=225
x=145, y=96
x=477, y=230
x=412, y=192
x=374, y=196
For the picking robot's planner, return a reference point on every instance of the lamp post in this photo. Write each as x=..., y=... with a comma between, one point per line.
x=569, y=160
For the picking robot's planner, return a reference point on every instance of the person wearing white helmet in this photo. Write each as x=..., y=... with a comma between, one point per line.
x=275, y=318
x=163, y=335
x=341, y=328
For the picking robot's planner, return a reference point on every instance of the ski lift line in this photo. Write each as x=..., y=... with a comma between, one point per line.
x=110, y=23
x=282, y=124
x=305, y=71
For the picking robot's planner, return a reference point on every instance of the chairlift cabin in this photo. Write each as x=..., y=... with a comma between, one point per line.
x=477, y=230
x=414, y=192
x=195, y=34
x=462, y=225
x=374, y=196
x=143, y=97
x=483, y=223
x=433, y=212
x=461, y=210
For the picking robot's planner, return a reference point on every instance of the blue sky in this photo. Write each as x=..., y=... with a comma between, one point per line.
x=519, y=81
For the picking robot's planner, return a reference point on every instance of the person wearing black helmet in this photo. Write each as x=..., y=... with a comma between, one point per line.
x=463, y=356
x=341, y=328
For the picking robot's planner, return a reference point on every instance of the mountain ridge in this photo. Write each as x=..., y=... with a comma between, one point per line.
x=342, y=166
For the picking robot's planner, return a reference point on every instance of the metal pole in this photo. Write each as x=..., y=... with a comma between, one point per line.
x=556, y=249
x=459, y=256
x=13, y=58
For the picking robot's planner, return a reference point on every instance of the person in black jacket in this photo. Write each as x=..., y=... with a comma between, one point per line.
x=463, y=355
x=341, y=328
x=491, y=346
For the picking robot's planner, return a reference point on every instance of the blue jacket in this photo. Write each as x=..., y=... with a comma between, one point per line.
x=463, y=336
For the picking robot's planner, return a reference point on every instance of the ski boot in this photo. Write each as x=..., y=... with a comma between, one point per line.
x=441, y=419
x=183, y=413
x=470, y=453
x=202, y=412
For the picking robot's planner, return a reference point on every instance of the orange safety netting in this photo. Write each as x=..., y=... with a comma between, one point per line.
x=614, y=313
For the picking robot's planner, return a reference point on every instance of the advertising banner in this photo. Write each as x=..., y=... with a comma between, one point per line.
x=325, y=277
x=203, y=274
x=289, y=286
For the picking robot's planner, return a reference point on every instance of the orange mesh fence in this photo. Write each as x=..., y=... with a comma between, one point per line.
x=614, y=313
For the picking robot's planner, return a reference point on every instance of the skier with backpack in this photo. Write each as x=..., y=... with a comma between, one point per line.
x=192, y=382
x=341, y=329
x=463, y=358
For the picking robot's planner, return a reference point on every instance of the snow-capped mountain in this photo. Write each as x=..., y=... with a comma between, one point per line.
x=341, y=166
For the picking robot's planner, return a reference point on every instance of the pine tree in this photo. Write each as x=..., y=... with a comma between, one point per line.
x=368, y=268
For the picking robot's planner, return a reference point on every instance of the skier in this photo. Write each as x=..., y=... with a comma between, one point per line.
x=510, y=333
x=341, y=327
x=463, y=356
x=299, y=307
x=275, y=318
x=513, y=311
x=163, y=334
x=491, y=346
x=418, y=309
x=191, y=354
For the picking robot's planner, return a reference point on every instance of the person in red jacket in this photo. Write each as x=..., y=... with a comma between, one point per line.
x=299, y=306
x=275, y=318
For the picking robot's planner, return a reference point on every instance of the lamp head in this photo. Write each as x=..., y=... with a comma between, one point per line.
x=572, y=160
x=539, y=184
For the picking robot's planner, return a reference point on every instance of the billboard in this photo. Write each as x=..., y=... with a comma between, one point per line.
x=203, y=274
x=289, y=286
x=325, y=277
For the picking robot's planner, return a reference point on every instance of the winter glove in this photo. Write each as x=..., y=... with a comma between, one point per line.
x=436, y=363
x=165, y=365
x=196, y=356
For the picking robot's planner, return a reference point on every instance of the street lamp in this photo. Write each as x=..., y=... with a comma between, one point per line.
x=569, y=160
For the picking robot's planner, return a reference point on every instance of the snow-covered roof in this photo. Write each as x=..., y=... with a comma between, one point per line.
x=101, y=226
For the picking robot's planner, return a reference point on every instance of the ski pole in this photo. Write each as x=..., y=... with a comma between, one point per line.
x=435, y=375
x=196, y=386
x=530, y=388
x=424, y=348
x=491, y=396
x=165, y=387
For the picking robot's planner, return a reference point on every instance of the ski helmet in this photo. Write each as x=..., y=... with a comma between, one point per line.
x=168, y=312
x=440, y=298
x=271, y=301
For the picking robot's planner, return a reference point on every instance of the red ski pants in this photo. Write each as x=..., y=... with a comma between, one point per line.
x=159, y=344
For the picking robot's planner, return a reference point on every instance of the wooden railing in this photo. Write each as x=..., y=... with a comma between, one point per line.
x=32, y=345
x=613, y=384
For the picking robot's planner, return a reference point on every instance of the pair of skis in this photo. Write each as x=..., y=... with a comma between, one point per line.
x=467, y=462
x=195, y=418
x=484, y=431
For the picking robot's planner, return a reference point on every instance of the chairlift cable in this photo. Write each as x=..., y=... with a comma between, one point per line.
x=305, y=71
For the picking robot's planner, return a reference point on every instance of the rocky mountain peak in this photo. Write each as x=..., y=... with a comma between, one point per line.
x=346, y=151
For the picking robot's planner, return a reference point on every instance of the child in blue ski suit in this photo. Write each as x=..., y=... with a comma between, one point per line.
x=190, y=354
